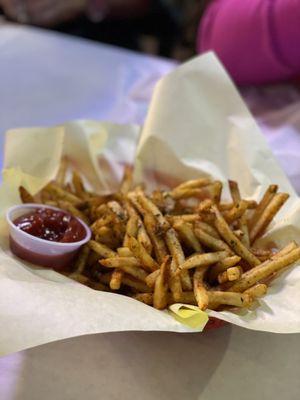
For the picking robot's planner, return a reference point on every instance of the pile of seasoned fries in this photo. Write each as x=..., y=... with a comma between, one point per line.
x=180, y=246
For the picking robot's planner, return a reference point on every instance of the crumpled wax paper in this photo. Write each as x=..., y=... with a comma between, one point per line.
x=197, y=125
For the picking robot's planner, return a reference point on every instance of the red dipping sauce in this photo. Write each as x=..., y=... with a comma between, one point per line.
x=45, y=236
x=52, y=225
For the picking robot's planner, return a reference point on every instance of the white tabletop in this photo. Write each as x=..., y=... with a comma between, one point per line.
x=46, y=79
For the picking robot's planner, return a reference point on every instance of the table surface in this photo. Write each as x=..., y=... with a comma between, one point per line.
x=47, y=79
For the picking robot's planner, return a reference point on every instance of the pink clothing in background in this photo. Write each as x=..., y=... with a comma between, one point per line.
x=258, y=41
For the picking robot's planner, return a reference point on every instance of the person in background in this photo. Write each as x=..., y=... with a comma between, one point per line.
x=258, y=41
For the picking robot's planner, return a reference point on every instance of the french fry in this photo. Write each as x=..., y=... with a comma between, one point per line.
x=160, y=299
x=173, y=219
x=62, y=194
x=117, y=209
x=200, y=291
x=222, y=266
x=176, y=251
x=70, y=208
x=211, y=242
x=185, y=298
x=191, y=184
x=101, y=249
x=151, y=278
x=185, y=230
x=140, y=252
x=175, y=282
x=151, y=208
x=257, y=291
x=116, y=279
x=268, y=196
x=231, y=274
x=135, y=284
x=207, y=229
x=236, y=212
x=254, y=275
x=203, y=260
x=236, y=245
x=267, y=215
x=124, y=252
x=217, y=298
x=236, y=197
x=78, y=185
x=129, y=265
x=143, y=237
x=159, y=245
x=81, y=260
x=146, y=298
x=25, y=196
x=131, y=228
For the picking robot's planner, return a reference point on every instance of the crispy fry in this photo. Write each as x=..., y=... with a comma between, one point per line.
x=131, y=228
x=81, y=260
x=257, y=291
x=236, y=197
x=175, y=282
x=160, y=299
x=78, y=185
x=203, y=260
x=221, y=266
x=185, y=230
x=268, y=196
x=262, y=271
x=200, y=291
x=135, y=284
x=231, y=274
x=237, y=246
x=116, y=279
x=124, y=252
x=130, y=265
x=159, y=245
x=207, y=229
x=217, y=298
x=236, y=212
x=117, y=209
x=211, y=242
x=25, y=196
x=173, y=219
x=140, y=252
x=191, y=184
x=151, y=278
x=151, y=208
x=67, y=206
x=143, y=237
x=267, y=215
x=101, y=249
x=62, y=194
x=178, y=255
x=146, y=298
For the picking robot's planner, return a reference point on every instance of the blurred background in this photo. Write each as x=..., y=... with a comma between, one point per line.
x=161, y=27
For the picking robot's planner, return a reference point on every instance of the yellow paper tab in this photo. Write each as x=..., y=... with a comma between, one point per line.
x=189, y=315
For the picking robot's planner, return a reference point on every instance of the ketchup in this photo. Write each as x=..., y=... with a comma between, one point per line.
x=51, y=225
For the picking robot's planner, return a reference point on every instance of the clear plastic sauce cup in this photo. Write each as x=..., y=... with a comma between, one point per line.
x=57, y=255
